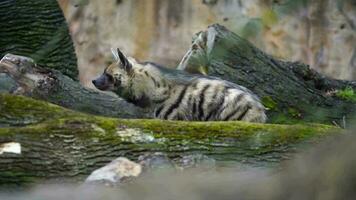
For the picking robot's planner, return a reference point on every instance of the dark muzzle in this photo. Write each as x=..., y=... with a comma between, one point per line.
x=104, y=82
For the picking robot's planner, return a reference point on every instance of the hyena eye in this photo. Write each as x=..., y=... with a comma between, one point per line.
x=118, y=76
x=118, y=80
x=110, y=78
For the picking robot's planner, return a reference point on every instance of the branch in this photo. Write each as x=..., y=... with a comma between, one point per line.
x=51, y=85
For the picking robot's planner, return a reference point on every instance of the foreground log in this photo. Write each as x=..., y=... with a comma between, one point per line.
x=291, y=91
x=51, y=85
x=57, y=143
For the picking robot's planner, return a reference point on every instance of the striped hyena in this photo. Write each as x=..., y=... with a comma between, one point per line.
x=177, y=95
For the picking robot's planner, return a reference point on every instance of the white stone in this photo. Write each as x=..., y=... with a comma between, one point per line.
x=115, y=171
x=10, y=147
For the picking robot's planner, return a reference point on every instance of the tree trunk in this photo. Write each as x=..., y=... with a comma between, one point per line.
x=291, y=91
x=61, y=144
x=37, y=29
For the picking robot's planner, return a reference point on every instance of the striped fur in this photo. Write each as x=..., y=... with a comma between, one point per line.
x=177, y=95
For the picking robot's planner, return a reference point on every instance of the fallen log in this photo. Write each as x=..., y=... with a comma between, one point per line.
x=51, y=85
x=291, y=91
x=60, y=144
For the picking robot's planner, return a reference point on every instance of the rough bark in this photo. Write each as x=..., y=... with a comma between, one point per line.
x=37, y=29
x=291, y=91
x=60, y=144
x=51, y=85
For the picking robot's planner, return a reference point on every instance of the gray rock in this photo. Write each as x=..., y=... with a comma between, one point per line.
x=196, y=161
x=155, y=162
x=118, y=171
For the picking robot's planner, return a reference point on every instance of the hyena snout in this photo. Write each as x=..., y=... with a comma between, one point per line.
x=104, y=82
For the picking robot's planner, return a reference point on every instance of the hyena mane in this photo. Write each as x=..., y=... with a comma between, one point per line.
x=177, y=95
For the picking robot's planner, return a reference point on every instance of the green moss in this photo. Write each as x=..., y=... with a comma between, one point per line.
x=269, y=103
x=254, y=136
x=55, y=119
x=109, y=124
x=347, y=94
x=267, y=135
x=289, y=118
x=19, y=106
x=19, y=111
x=294, y=112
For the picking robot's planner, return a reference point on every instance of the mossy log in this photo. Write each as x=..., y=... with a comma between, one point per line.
x=37, y=29
x=291, y=91
x=65, y=145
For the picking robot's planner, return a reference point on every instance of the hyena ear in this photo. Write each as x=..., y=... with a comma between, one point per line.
x=115, y=54
x=125, y=63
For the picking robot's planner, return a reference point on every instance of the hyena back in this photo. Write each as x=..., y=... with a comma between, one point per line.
x=177, y=95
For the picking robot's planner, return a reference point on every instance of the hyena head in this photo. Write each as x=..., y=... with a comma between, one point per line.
x=116, y=77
